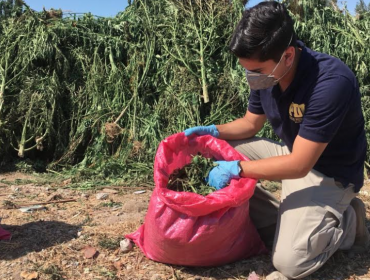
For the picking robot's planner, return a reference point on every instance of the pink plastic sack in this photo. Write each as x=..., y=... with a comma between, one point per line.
x=185, y=228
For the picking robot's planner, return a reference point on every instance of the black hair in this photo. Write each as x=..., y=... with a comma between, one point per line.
x=264, y=32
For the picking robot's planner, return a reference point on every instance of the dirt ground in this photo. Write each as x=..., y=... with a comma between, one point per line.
x=51, y=242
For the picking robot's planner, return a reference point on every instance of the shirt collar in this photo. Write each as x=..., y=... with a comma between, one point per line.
x=303, y=66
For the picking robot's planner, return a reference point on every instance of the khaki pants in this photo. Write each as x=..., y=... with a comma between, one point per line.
x=312, y=221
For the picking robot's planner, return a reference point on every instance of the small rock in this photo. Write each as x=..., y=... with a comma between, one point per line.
x=15, y=188
x=54, y=196
x=79, y=233
x=276, y=275
x=139, y=192
x=90, y=252
x=67, y=182
x=29, y=275
x=102, y=196
x=118, y=265
x=365, y=193
x=85, y=195
x=110, y=191
x=125, y=245
x=253, y=276
x=32, y=208
x=157, y=277
x=86, y=270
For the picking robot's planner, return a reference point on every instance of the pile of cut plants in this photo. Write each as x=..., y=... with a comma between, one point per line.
x=82, y=94
x=191, y=177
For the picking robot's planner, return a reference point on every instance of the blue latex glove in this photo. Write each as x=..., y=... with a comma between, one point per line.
x=221, y=174
x=203, y=130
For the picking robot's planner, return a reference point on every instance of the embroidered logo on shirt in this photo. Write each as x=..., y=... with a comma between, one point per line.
x=296, y=112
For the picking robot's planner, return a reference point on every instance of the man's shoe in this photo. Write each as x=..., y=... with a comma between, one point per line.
x=276, y=275
x=362, y=239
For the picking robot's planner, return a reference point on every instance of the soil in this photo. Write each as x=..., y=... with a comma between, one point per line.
x=51, y=241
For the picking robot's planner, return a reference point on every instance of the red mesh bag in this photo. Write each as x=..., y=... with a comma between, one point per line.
x=185, y=228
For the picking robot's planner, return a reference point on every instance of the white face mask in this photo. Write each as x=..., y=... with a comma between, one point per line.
x=263, y=81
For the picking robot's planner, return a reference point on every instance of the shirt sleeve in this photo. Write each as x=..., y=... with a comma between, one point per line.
x=326, y=109
x=254, y=105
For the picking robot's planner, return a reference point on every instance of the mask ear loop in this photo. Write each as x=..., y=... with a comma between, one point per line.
x=280, y=61
x=285, y=72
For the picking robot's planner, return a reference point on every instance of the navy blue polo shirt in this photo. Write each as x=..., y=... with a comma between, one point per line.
x=322, y=104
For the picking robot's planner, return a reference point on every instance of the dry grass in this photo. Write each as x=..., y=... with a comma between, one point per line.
x=51, y=242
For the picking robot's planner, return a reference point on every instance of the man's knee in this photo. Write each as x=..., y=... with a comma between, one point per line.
x=242, y=147
x=235, y=143
x=241, y=144
x=288, y=264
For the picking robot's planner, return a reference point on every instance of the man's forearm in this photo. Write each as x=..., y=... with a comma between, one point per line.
x=273, y=168
x=236, y=130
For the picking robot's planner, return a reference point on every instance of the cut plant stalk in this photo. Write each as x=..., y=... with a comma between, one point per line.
x=191, y=178
x=202, y=48
x=22, y=143
x=3, y=72
x=153, y=66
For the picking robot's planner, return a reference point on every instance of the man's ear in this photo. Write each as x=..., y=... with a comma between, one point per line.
x=290, y=55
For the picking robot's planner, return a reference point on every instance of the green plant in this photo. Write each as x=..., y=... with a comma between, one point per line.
x=191, y=178
x=109, y=243
x=53, y=272
x=111, y=204
x=93, y=97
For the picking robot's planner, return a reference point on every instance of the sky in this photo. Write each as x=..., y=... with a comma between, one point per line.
x=109, y=8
